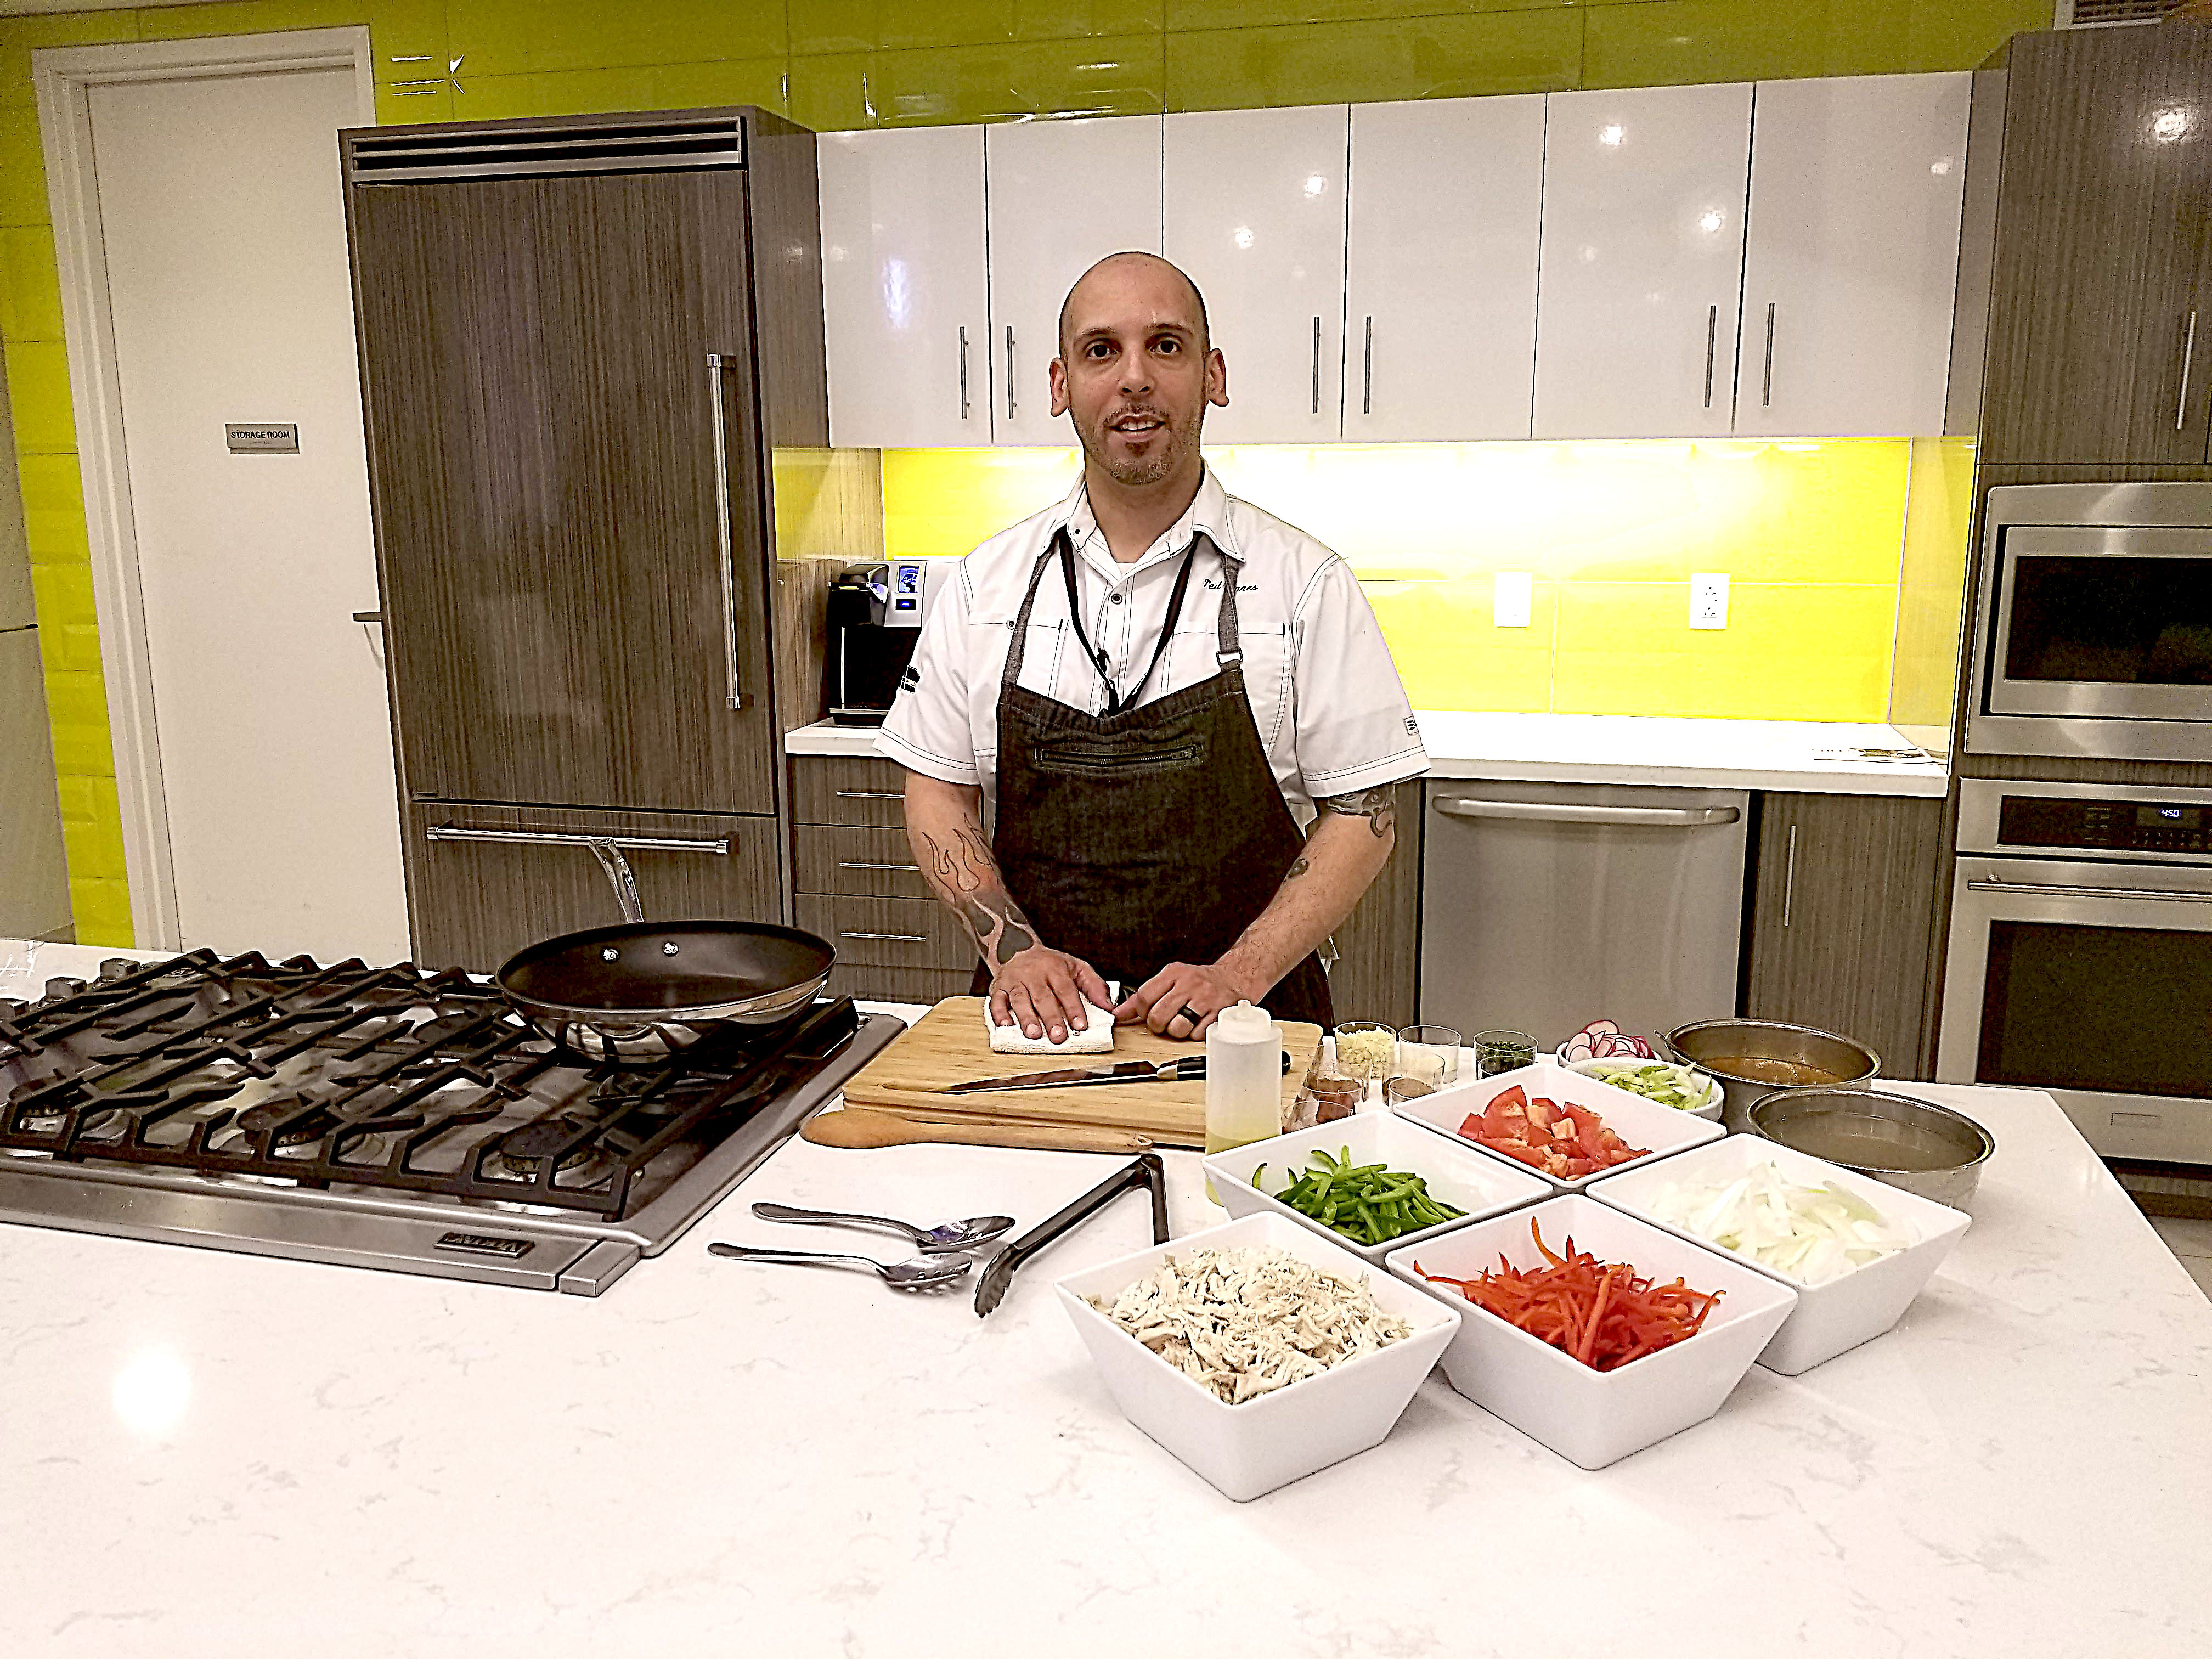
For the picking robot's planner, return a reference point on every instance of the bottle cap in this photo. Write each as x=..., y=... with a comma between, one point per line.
x=1244, y=1021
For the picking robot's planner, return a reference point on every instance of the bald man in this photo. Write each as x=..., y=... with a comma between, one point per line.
x=1177, y=712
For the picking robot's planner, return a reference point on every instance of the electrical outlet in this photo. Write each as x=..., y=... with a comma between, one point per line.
x=1709, y=599
x=1511, y=593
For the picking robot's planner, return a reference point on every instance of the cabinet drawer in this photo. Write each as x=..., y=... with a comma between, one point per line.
x=859, y=863
x=883, y=932
x=484, y=884
x=927, y=986
x=838, y=789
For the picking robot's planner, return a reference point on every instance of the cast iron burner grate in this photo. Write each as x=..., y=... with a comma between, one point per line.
x=396, y=1079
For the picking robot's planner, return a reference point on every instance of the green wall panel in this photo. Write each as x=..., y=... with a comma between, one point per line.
x=25, y=35
x=1370, y=62
x=517, y=37
x=1683, y=41
x=1118, y=75
x=663, y=86
x=30, y=286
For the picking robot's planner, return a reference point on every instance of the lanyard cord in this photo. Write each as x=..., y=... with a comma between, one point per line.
x=1117, y=703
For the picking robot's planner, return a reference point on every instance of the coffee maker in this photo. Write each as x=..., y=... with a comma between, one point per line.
x=875, y=614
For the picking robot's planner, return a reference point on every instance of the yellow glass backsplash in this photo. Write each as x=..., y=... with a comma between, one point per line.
x=1810, y=534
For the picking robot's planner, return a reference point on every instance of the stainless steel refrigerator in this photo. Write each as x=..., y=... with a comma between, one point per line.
x=34, y=900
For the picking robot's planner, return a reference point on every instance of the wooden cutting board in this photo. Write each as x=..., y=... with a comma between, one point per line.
x=950, y=1045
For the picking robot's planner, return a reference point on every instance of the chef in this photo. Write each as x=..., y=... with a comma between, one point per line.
x=1177, y=713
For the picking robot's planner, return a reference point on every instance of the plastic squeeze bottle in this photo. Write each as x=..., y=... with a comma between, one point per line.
x=1243, y=1080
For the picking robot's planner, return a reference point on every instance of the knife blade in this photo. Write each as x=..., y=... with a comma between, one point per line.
x=1187, y=1069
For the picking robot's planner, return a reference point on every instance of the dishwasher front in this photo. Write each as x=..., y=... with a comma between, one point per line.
x=1546, y=906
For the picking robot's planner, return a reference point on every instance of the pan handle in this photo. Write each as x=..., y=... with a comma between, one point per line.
x=619, y=877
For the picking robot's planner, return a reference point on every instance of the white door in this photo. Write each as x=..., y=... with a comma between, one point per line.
x=1636, y=306
x=905, y=299
x=1440, y=314
x=1062, y=195
x=227, y=275
x=1253, y=211
x=1852, y=257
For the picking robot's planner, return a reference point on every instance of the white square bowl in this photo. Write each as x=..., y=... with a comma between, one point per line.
x=1248, y=1449
x=1593, y=1418
x=1638, y=1121
x=1829, y=1318
x=1457, y=1174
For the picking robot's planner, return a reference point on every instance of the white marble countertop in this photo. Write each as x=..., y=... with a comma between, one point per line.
x=216, y=1454
x=1790, y=754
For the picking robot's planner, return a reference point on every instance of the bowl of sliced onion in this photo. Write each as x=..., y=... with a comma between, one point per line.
x=1856, y=1250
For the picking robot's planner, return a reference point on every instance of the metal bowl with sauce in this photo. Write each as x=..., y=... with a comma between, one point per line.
x=1914, y=1144
x=1753, y=1058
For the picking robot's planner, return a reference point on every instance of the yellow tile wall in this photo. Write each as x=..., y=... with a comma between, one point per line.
x=1931, y=589
x=1809, y=534
x=834, y=63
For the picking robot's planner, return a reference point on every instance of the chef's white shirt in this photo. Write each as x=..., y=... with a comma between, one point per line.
x=1325, y=695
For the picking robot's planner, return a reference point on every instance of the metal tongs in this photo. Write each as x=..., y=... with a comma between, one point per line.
x=1144, y=1170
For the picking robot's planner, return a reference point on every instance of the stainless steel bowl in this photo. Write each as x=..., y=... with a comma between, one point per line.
x=1914, y=1144
x=1706, y=1043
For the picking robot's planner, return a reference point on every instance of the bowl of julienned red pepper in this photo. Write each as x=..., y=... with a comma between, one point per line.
x=1593, y=1332
x=1567, y=1127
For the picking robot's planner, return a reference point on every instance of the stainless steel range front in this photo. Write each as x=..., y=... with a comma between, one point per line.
x=2081, y=958
x=390, y=1118
x=2092, y=633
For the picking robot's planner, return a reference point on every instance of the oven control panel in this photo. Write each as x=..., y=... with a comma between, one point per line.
x=2090, y=824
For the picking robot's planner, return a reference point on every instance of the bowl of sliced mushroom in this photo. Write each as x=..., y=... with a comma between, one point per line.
x=1256, y=1352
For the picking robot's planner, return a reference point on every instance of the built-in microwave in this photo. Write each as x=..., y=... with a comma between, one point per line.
x=2093, y=635
x=2080, y=959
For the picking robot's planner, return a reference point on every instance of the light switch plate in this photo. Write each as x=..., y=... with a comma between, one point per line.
x=1709, y=599
x=1511, y=594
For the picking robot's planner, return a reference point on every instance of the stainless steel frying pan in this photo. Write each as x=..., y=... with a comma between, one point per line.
x=639, y=990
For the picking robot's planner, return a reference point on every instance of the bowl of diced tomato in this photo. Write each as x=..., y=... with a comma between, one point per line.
x=1569, y=1128
x=1593, y=1332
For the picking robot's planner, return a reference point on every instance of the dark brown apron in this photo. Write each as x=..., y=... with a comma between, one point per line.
x=1145, y=836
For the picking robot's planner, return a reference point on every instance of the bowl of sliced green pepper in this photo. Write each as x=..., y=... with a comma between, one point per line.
x=1372, y=1182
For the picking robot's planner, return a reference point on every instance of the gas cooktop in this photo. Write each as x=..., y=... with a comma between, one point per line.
x=385, y=1117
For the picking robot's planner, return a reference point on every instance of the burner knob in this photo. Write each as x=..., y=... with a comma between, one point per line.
x=608, y=953
x=668, y=947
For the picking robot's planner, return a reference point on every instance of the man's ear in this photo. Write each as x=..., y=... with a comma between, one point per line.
x=1059, y=374
x=1217, y=379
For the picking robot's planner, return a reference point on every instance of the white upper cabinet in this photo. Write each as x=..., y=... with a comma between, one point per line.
x=1852, y=260
x=1063, y=195
x=902, y=287
x=1254, y=213
x=1642, y=262
x=1440, y=322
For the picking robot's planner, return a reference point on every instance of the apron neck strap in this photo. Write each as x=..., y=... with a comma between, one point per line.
x=1227, y=651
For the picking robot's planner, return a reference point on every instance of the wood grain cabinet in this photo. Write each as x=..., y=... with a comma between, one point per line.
x=2099, y=335
x=1843, y=920
x=1378, y=945
x=856, y=884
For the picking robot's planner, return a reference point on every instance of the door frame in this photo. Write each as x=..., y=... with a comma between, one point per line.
x=63, y=78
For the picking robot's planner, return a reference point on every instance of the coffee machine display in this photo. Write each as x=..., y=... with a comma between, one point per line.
x=875, y=615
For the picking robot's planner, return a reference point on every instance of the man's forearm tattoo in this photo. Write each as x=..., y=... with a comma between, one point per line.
x=966, y=877
x=1378, y=807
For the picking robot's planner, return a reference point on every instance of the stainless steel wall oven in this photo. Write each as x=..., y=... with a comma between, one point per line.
x=2081, y=958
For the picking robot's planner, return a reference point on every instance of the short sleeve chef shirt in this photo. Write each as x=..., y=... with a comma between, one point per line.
x=1325, y=695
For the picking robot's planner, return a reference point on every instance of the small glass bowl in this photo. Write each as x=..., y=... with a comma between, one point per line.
x=1371, y=1051
x=1503, y=1051
x=1431, y=1053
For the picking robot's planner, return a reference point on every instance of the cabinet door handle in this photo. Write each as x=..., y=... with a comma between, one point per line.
x=1532, y=811
x=1789, y=877
x=1766, y=383
x=716, y=362
x=964, y=372
x=1316, y=366
x=872, y=864
x=1712, y=339
x=871, y=794
x=1010, y=371
x=901, y=939
x=1367, y=374
x=2188, y=354
x=719, y=845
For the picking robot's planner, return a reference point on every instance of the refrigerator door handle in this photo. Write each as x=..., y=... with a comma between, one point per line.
x=716, y=362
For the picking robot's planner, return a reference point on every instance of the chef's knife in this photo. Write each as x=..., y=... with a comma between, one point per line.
x=1188, y=1068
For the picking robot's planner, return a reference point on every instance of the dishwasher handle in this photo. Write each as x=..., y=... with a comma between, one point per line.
x=1534, y=812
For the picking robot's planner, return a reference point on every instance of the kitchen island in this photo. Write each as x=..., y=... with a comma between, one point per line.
x=209, y=1454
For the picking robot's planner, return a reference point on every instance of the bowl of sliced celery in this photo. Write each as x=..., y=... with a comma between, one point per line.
x=1679, y=1086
